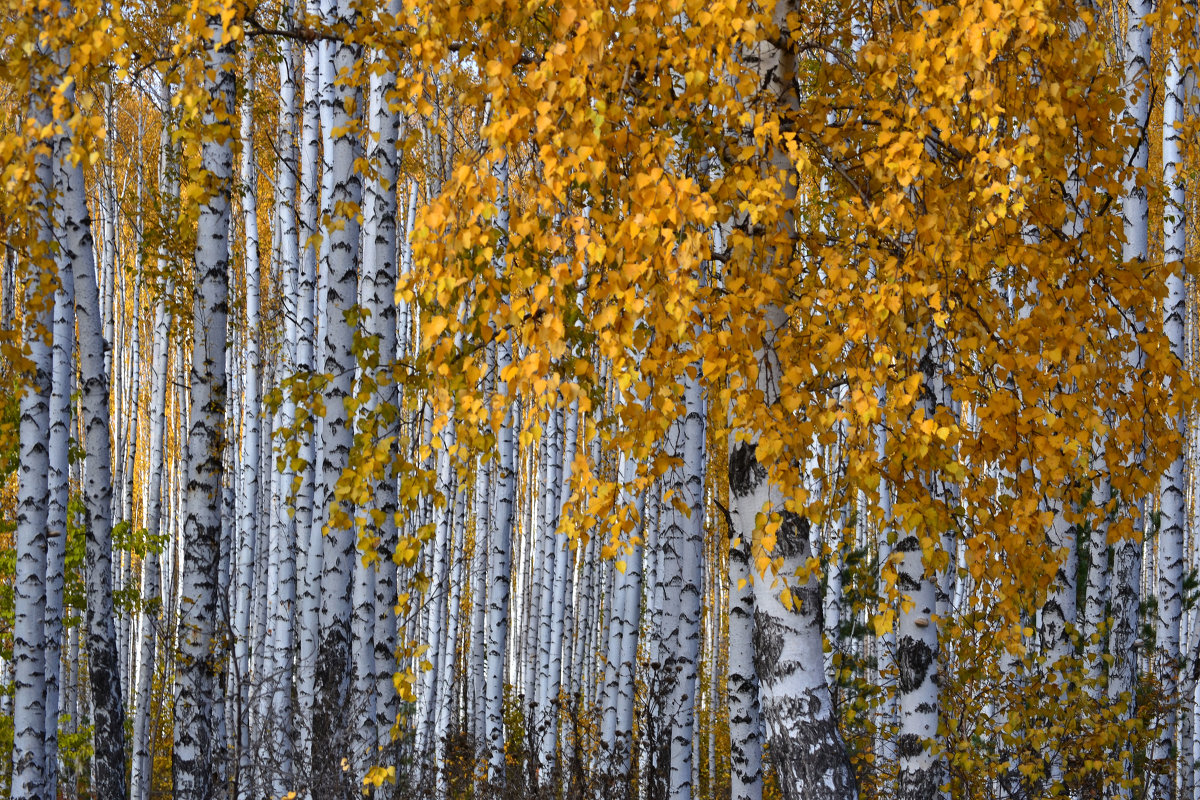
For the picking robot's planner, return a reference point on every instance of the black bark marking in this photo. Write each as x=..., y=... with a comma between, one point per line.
x=768, y=645
x=745, y=473
x=811, y=758
x=913, y=658
x=792, y=539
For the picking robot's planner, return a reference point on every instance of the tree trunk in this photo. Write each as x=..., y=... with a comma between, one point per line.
x=108, y=710
x=500, y=555
x=331, y=721
x=745, y=723
x=681, y=544
x=251, y=413
x=33, y=499
x=1135, y=210
x=198, y=739
x=379, y=284
x=62, y=384
x=305, y=315
x=1173, y=485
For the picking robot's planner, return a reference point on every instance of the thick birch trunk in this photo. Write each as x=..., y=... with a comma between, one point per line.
x=795, y=702
x=33, y=499
x=379, y=283
x=921, y=770
x=1058, y=613
x=108, y=711
x=333, y=667
x=1127, y=556
x=796, y=706
x=198, y=738
x=1173, y=485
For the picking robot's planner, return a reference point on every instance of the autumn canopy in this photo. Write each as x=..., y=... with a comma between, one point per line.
x=657, y=401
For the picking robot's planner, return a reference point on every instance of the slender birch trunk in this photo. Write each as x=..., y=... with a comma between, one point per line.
x=379, y=282
x=283, y=524
x=305, y=316
x=251, y=411
x=58, y=478
x=623, y=629
x=745, y=722
x=141, y=762
x=140, y=770
x=500, y=557
x=681, y=545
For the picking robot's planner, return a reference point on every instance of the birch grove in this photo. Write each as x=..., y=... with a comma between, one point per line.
x=659, y=401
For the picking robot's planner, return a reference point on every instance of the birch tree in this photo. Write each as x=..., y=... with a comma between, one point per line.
x=333, y=666
x=1173, y=486
x=197, y=745
x=33, y=493
x=76, y=246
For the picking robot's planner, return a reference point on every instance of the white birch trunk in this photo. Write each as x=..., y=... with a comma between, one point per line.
x=478, y=587
x=305, y=316
x=745, y=722
x=58, y=480
x=564, y=561
x=331, y=721
x=33, y=499
x=796, y=706
x=379, y=283
x=1173, y=485
x=616, y=733
x=1058, y=612
x=251, y=411
x=1127, y=556
x=500, y=548
x=199, y=742
x=108, y=718
x=681, y=544
x=140, y=770
x=282, y=606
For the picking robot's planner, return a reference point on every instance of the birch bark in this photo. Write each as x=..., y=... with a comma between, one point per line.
x=500, y=557
x=745, y=722
x=140, y=769
x=198, y=738
x=251, y=410
x=33, y=499
x=1173, y=485
x=1135, y=210
x=76, y=245
x=681, y=543
x=58, y=478
x=333, y=668
x=283, y=524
